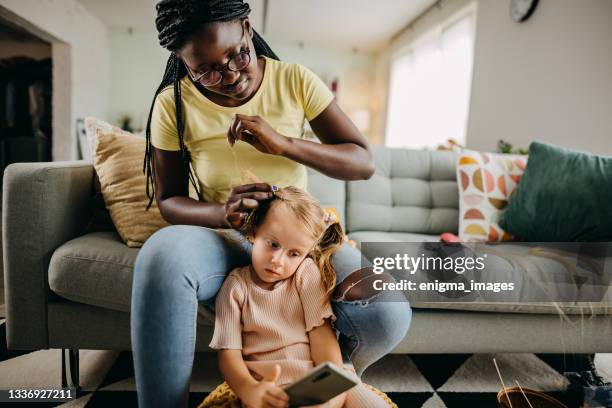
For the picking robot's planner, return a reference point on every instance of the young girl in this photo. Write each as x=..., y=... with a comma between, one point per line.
x=273, y=317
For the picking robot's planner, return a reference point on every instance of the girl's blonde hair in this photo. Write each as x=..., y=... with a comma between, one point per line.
x=328, y=236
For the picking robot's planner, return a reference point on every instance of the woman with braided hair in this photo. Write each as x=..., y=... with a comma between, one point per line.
x=225, y=104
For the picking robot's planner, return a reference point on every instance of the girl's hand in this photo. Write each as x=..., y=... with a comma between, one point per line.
x=244, y=198
x=336, y=402
x=258, y=133
x=266, y=394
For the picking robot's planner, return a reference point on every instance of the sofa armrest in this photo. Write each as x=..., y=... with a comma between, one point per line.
x=43, y=206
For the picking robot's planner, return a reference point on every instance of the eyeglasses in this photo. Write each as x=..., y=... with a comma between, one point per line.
x=237, y=63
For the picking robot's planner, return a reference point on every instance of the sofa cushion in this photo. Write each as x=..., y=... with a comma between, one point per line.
x=584, y=309
x=96, y=269
x=378, y=236
x=534, y=274
x=411, y=192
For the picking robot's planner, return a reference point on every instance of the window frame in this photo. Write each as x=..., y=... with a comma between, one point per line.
x=433, y=35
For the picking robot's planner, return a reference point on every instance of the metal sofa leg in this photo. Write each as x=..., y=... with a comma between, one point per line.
x=73, y=361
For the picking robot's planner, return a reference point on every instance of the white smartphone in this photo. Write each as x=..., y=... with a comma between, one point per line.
x=319, y=385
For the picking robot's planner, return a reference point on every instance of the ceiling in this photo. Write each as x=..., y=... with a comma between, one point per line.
x=362, y=24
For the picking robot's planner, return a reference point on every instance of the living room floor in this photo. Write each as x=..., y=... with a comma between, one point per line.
x=431, y=381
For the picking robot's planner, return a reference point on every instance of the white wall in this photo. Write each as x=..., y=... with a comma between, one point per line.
x=138, y=64
x=353, y=69
x=35, y=50
x=549, y=78
x=80, y=62
x=345, y=64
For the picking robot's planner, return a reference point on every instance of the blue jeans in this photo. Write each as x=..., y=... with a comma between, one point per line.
x=181, y=265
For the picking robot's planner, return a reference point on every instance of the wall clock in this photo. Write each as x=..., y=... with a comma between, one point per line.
x=521, y=10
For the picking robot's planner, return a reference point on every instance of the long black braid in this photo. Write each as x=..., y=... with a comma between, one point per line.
x=176, y=21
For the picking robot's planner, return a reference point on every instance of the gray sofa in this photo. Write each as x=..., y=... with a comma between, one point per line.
x=70, y=290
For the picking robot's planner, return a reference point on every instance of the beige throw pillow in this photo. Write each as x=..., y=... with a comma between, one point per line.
x=117, y=158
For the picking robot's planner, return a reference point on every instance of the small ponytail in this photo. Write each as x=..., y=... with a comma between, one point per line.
x=330, y=242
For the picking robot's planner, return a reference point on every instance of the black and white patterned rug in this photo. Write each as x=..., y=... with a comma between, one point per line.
x=430, y=381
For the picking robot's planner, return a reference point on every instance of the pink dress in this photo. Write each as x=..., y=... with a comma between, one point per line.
x=271, y=326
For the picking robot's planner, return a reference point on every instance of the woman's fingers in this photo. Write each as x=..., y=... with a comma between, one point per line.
x=248, y=138
x=257, y=195
x=238, y=205
x=230, y=137
x=239, y=126
x=242, y=199
x=234, y=128
x=241, y=205
x=242, y=125
x=236, y=219
x=248, y=133
x=246, y=201
x=248, y=118
x=247, y=188
x=248, y=126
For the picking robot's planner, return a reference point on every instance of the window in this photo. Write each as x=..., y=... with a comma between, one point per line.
x=430, y=82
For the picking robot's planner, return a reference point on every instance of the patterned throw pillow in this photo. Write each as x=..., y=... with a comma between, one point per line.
x=486, y=181
x=117, y=159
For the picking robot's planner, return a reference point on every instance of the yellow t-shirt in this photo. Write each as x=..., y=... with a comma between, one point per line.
x=288, y=94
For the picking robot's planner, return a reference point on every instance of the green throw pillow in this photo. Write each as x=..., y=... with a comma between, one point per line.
x=564, y=195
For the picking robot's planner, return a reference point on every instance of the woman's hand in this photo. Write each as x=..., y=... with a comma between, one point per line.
x=266, y=394
x=258, y=133
x=242, y=199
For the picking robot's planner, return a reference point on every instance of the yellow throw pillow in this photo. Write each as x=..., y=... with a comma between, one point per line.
x=117, y=159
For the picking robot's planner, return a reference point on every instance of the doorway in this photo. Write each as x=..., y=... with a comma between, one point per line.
x=25, y=96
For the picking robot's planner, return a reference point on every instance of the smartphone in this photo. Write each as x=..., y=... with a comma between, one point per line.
x=319, y=385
